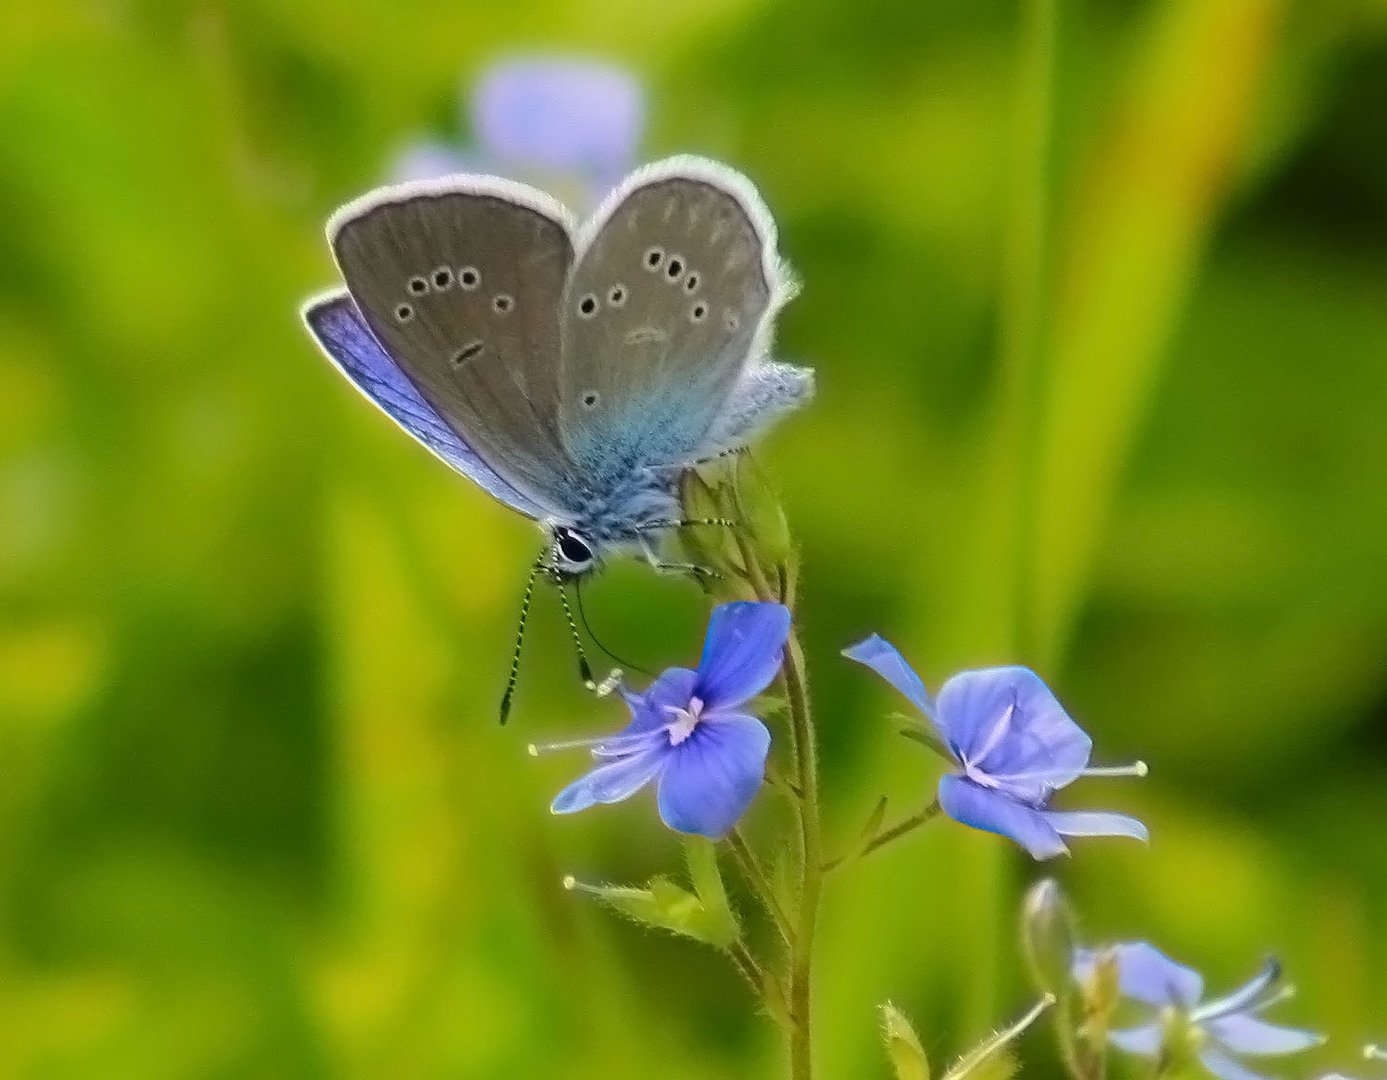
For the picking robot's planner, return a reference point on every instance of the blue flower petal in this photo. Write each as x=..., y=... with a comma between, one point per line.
x=1146, y=974
x=991, y=811
x=885, y=659
x=613, y=781
x=651, y=709
x=1247, y=1035
x=1227, y=1068
x=1096, y=823
x=714, y=775
x=1250, y=997
x=559, y=115
x=1145, y=1039
x=742, y=652
x=1006, y=722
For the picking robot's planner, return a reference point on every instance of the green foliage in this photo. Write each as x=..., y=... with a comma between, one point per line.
x=256, y=816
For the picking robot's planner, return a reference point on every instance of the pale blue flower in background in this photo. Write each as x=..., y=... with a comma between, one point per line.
x=1222, y=1031
x=1014, y=746
x=689, y=732
x=570, y=126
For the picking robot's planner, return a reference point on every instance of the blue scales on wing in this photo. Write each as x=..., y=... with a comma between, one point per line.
x=337, y=326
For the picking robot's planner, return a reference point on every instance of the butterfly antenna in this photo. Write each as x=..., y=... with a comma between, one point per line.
x=578, y=589
x=520, y=636
x=584, y=668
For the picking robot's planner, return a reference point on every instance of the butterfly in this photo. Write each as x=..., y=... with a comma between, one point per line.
x=571, y=372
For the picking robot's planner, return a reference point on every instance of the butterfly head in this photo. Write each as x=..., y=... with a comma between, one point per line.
x=571, y=554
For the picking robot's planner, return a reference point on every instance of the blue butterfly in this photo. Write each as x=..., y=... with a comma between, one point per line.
x=572, y=373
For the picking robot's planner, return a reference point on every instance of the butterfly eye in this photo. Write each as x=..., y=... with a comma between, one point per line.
x=404, y=313
x=442, y=278
x=698, y=311
x=675, y=267
x=654, y=257
x=617, y=297
x=591, y=398
x=691, y=283
x=587, y=306
x=418, y=286
x=468, y=278
x=502, y=303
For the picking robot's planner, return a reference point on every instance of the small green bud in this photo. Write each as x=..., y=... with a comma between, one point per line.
x=903, y=1047
x=1047, y=936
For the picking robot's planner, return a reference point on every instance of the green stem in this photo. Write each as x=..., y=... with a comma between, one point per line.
x=759, y=882
x=804, y=754
x=806, y=757
x=902, y=828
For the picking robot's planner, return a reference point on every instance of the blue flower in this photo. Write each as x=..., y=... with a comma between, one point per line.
x=688, y=733
x=1014, y=746
x=1219, y=1031
x=566, y=124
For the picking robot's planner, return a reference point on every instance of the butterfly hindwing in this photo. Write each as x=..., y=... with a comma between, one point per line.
x=674, y=286
x=460, y=281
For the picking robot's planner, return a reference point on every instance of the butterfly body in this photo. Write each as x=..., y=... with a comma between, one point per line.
x=571, y=373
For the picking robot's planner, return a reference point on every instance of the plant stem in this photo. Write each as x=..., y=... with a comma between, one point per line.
x=760, y=883
x=806, y=757
x=895, y=832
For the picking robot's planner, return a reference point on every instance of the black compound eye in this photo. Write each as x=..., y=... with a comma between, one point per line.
x=573, y=547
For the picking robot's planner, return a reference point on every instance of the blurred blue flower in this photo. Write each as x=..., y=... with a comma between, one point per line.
x=568, y=125
x=1219, y=1031
x=1014, y=745
x=688, y=732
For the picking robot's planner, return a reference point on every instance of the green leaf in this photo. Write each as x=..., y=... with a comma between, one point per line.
x=663, y=905
x=903, y=1048
x=719, y=918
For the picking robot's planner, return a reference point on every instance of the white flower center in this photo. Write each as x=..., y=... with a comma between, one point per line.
x=685, y=720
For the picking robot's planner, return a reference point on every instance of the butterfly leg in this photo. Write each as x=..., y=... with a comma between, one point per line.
x=701, y=574
x=684, y=523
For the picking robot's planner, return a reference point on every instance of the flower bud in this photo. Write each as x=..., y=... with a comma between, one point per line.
x=1047, y=936
x=908, y=1058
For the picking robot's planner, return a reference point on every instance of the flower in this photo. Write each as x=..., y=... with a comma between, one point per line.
x=1014, y=746
x=1217, y=1032
x=569, y=124
x=688, y=732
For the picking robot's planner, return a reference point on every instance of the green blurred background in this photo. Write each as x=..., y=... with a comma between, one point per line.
x=1103, y=369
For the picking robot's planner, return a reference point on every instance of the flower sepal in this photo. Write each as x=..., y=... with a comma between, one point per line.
x=754, y=555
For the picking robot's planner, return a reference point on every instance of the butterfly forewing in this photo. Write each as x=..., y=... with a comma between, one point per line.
x=668, y=297
x=462, y=286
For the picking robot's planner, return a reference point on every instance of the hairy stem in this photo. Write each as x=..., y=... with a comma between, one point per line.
x=806, y=756
x=902, y=828
x=759, y=882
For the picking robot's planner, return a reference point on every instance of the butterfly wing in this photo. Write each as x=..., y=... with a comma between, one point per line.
x=675, y=286
x=459, y=280
x=766, y=391
x=340, y=332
